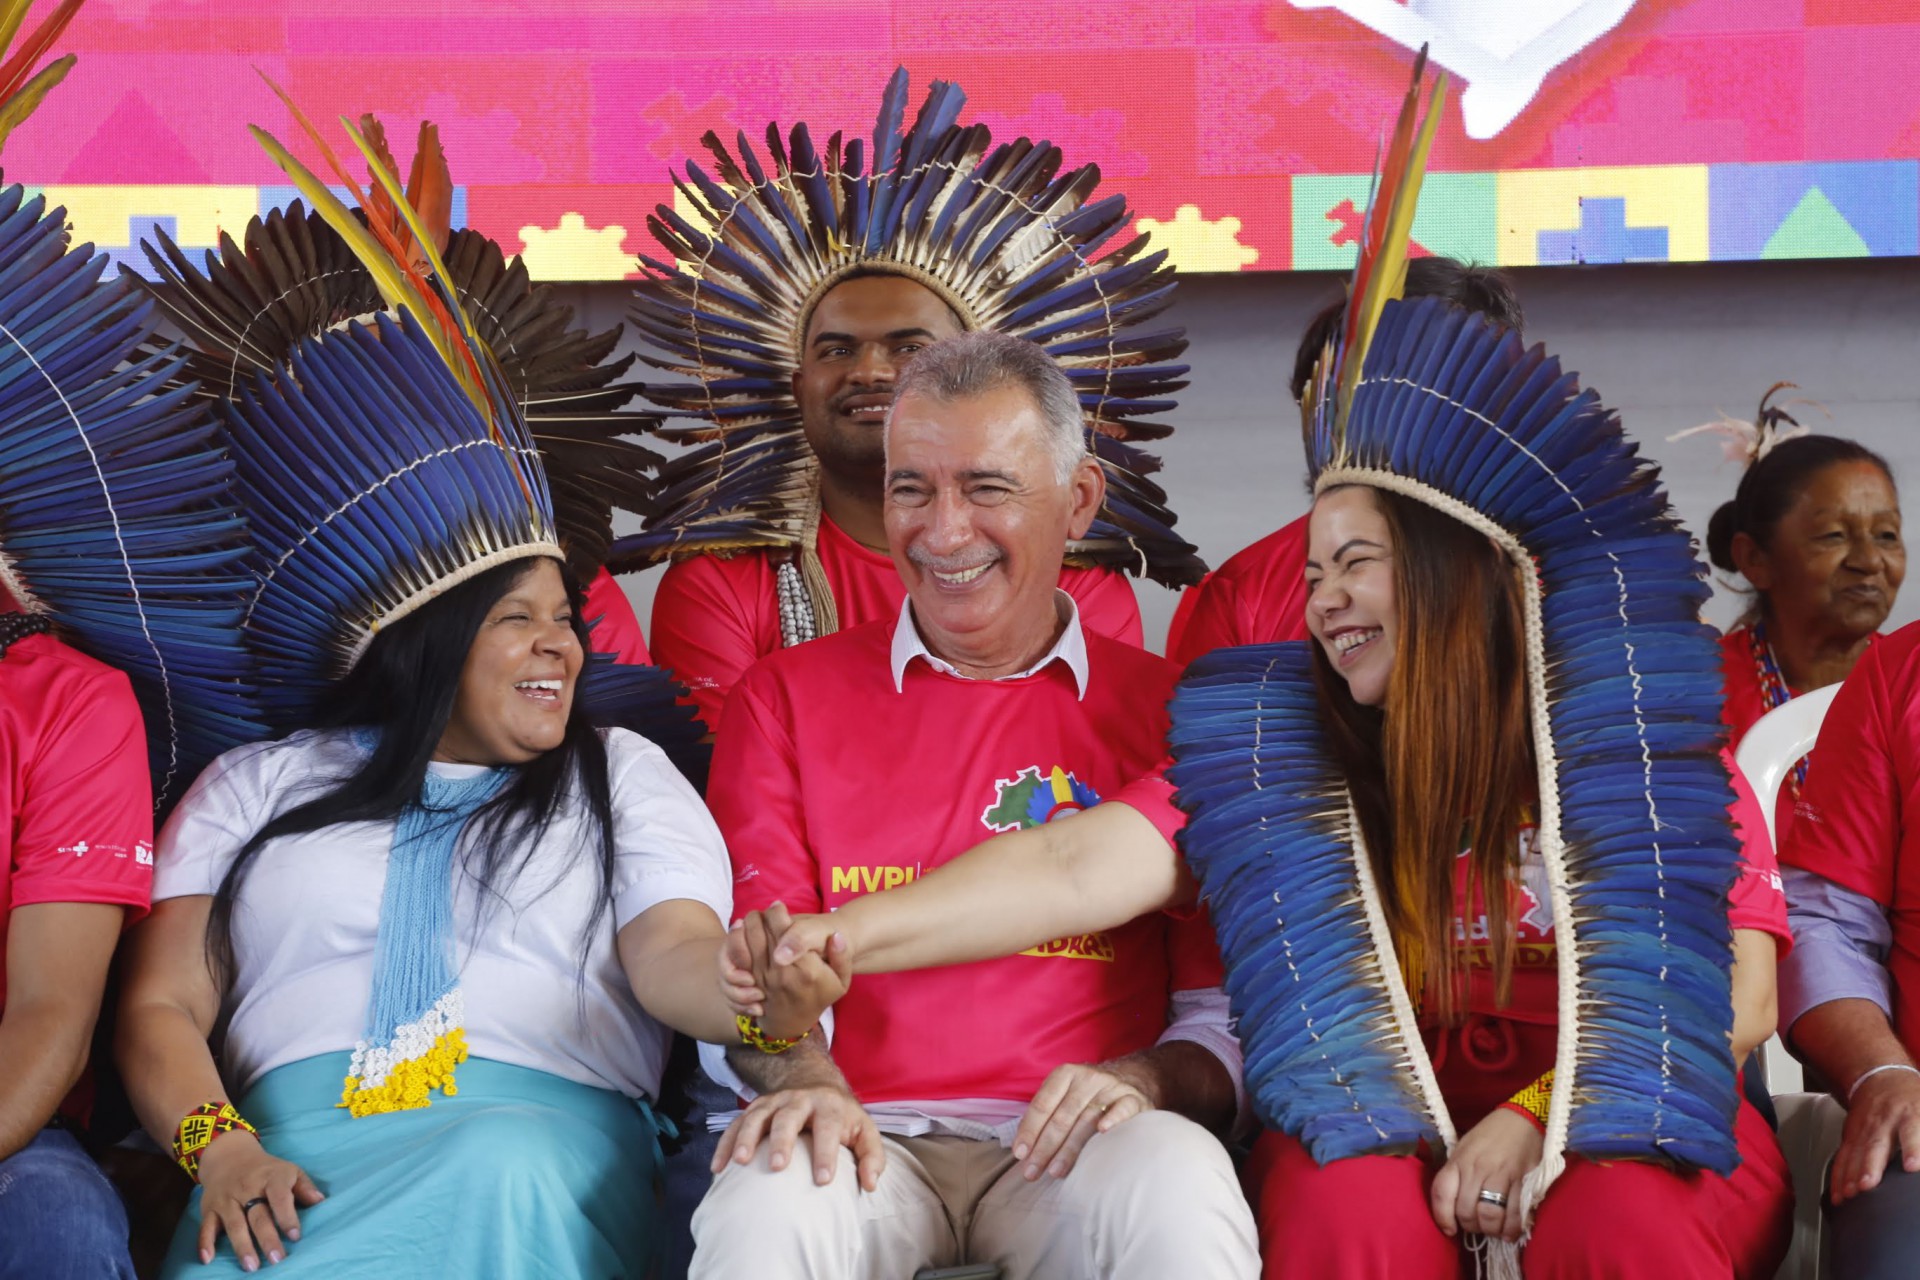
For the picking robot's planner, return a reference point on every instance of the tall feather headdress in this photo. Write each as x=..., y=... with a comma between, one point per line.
x=117, y=515
x=385, y=462
x=386, y=456
x=293, y=277
x=1001, y=234
x=1427, y=400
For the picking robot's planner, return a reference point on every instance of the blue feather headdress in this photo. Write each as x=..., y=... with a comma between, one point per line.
x=292, y=277
x=374, y=485
x=1438, y=404
x=386, y=453
x=1000, y=233
x=117, y=516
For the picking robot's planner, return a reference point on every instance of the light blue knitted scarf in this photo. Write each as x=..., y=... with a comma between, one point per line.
x=415, y=1016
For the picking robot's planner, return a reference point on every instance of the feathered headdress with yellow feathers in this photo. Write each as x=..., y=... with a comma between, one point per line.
x=295, y=275
x=1433, y=402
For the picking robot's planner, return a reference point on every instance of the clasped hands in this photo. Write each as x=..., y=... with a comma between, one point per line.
x=797, y=958
x=774, y=961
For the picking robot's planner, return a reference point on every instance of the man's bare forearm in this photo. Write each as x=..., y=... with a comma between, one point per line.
x=1095, y=870
x=1184, y=1078
x=1844, y=1039
x=45, y=1050
x=807, y=1065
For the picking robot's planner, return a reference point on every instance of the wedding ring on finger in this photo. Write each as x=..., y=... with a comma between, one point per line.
x=1498, y=1199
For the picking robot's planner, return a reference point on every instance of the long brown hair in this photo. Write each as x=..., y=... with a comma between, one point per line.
x=1447, y=763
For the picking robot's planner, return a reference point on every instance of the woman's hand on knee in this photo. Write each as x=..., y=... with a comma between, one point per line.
x=1494, y=1156
x=834, y=1118
x=251, y=1196
x=1884, y=1116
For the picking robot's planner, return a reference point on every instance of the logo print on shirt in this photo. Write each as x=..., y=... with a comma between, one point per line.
x=1032, y=799
x=1534, y=883
x=78, y=848
x=143, y=853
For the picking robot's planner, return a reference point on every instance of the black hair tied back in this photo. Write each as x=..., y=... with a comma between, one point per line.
x=1776, y=479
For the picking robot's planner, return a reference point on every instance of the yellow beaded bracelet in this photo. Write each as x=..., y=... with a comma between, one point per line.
x=201, y=1126
x=752, y=1036
x=1534, y=1100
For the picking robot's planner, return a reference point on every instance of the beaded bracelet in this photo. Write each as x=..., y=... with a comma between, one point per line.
x=752, y=1036
x=201, y=1126
x=1532, y=1101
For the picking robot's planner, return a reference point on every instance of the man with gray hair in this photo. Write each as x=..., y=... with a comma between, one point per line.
x=1048, y=1113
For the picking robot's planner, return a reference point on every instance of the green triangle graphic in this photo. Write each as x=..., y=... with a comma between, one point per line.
x=1815, y=229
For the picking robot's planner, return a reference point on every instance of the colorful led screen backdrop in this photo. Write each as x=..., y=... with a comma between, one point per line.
x=1242, y=130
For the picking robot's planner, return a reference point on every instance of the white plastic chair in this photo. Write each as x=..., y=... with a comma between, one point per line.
x=1810, y=1123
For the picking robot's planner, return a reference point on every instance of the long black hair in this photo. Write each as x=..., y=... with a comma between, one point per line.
x=404, y=688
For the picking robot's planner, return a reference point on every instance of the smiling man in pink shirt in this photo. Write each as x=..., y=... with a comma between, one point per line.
x=1046, y=1112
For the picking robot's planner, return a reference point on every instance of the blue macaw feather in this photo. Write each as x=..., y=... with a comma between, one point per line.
x=648, y=701
x=117, y=514
x=1322, y=1061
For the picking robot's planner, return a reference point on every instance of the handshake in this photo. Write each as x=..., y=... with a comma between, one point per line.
x=782, y=968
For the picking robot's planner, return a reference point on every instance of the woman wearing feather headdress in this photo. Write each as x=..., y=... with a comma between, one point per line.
x=1259, y=595
x=292, y=276
x=440, y=929
x=1497, y=924
x=1814, y=529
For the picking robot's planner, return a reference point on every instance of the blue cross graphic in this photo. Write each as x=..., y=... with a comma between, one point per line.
x=1603, y=236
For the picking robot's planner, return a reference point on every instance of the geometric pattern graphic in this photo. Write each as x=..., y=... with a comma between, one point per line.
x=1456, y=217
x=1242, y=132
x=1815, y=210
x=1560, y=217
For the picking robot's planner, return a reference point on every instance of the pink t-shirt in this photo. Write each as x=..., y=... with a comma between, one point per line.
x=1259, y=596
x=829, y=783
x=1851, y=824
x=713, y=617
x=617, y=630
x=76, y=814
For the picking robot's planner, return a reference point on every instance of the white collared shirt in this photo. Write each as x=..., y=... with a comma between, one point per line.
x=1070, y=648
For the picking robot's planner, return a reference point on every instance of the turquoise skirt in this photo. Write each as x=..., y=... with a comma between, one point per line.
x=519, y=1176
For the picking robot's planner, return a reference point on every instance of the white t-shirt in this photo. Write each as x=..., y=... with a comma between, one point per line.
x=308, y=914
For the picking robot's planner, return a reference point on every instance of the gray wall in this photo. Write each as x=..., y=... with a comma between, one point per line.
x=1668, y=347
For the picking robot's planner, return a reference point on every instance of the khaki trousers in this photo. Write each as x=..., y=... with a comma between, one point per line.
x=1154, y=1198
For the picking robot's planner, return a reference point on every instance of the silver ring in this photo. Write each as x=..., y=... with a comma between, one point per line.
x=1498, y=1199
